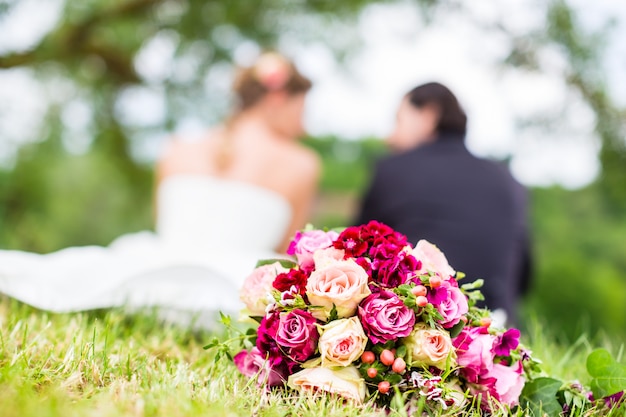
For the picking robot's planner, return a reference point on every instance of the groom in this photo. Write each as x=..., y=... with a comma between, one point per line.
x=432, y=188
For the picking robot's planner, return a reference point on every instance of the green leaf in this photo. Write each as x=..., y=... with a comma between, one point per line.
x=258, y=319
x=285, y=263
x=333, y=314
x=609, y=376
x=401, y=352
x=539, y=396
x=226, y=320
x=394, y=378
x=213, y=343
x=456, y=329
x=473, y=285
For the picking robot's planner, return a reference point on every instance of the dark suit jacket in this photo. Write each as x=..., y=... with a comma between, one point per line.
x=471, y=208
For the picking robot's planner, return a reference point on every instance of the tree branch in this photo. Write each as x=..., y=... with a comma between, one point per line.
x=75, y=40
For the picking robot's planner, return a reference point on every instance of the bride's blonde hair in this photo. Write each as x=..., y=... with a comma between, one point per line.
x=270, y=72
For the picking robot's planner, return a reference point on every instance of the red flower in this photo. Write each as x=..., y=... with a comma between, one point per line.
x=294, y=278
x=351, y=242
x=374, y=230
x=395, y=271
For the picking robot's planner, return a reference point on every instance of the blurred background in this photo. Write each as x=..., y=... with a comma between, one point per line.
x=91, y=90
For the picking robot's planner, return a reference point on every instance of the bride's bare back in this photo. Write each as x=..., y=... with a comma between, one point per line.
x=258, y=147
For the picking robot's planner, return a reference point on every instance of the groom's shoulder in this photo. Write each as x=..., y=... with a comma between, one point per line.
x=394, y=160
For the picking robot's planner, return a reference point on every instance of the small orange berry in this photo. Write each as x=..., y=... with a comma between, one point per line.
x=387, y=357
x=418, y=290
x=421, y=301
x=485, y=321
x=399, y=365
x=383, y=387
x=372, y=372
x=368, y=357
x=435, y=282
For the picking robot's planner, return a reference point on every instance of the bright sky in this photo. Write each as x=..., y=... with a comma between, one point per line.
x=359, y=98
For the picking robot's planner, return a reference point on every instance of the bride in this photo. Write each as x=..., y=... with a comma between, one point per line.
x=225, y=200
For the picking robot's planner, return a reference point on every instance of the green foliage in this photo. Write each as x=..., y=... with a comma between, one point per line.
x=539, y=396
x=52, y=200
x=609, y=376
x=579, y=264
x=347, y=164
x=584, y=51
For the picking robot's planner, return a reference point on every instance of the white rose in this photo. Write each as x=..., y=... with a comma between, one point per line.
x=429, y=347
x=341, y=342
x=346, y=382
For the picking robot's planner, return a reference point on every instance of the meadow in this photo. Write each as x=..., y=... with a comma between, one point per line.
x=110, y=363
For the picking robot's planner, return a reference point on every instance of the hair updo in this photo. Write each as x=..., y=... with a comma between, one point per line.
x=452, y=118
x=270, y=72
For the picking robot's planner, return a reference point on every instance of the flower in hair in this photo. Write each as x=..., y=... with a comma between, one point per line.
x=272, y=71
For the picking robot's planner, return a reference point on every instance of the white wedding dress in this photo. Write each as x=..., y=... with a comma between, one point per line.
x=209, y=235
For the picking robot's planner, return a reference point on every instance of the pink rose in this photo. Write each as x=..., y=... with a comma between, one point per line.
x=385, y=317
x=508, y=382
x=277, y=359
x=253, y=363
x=429, y=347
x=297, y=334
x=305, y=244
x=342, y=284
x=249, y=363
x=450, y=302
x=342, y=342
x=432, y=259
x=258, y=285
x=475, y=352
x=346, y=382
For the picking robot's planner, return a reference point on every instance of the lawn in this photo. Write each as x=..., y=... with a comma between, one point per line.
x=108, y=363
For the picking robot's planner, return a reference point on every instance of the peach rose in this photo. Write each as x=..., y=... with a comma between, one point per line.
x=342, y=284
x=328, y=256
x=258, y=285
x=346, y=382
x=429, y=347
x=432, y=259
x=341, y=342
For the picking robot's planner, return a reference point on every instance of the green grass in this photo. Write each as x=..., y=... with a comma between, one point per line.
x=110, y=364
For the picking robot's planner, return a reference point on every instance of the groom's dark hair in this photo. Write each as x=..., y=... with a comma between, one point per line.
x=452, y=118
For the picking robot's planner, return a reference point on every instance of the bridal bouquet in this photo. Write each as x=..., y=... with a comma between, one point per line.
x=363, y=314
